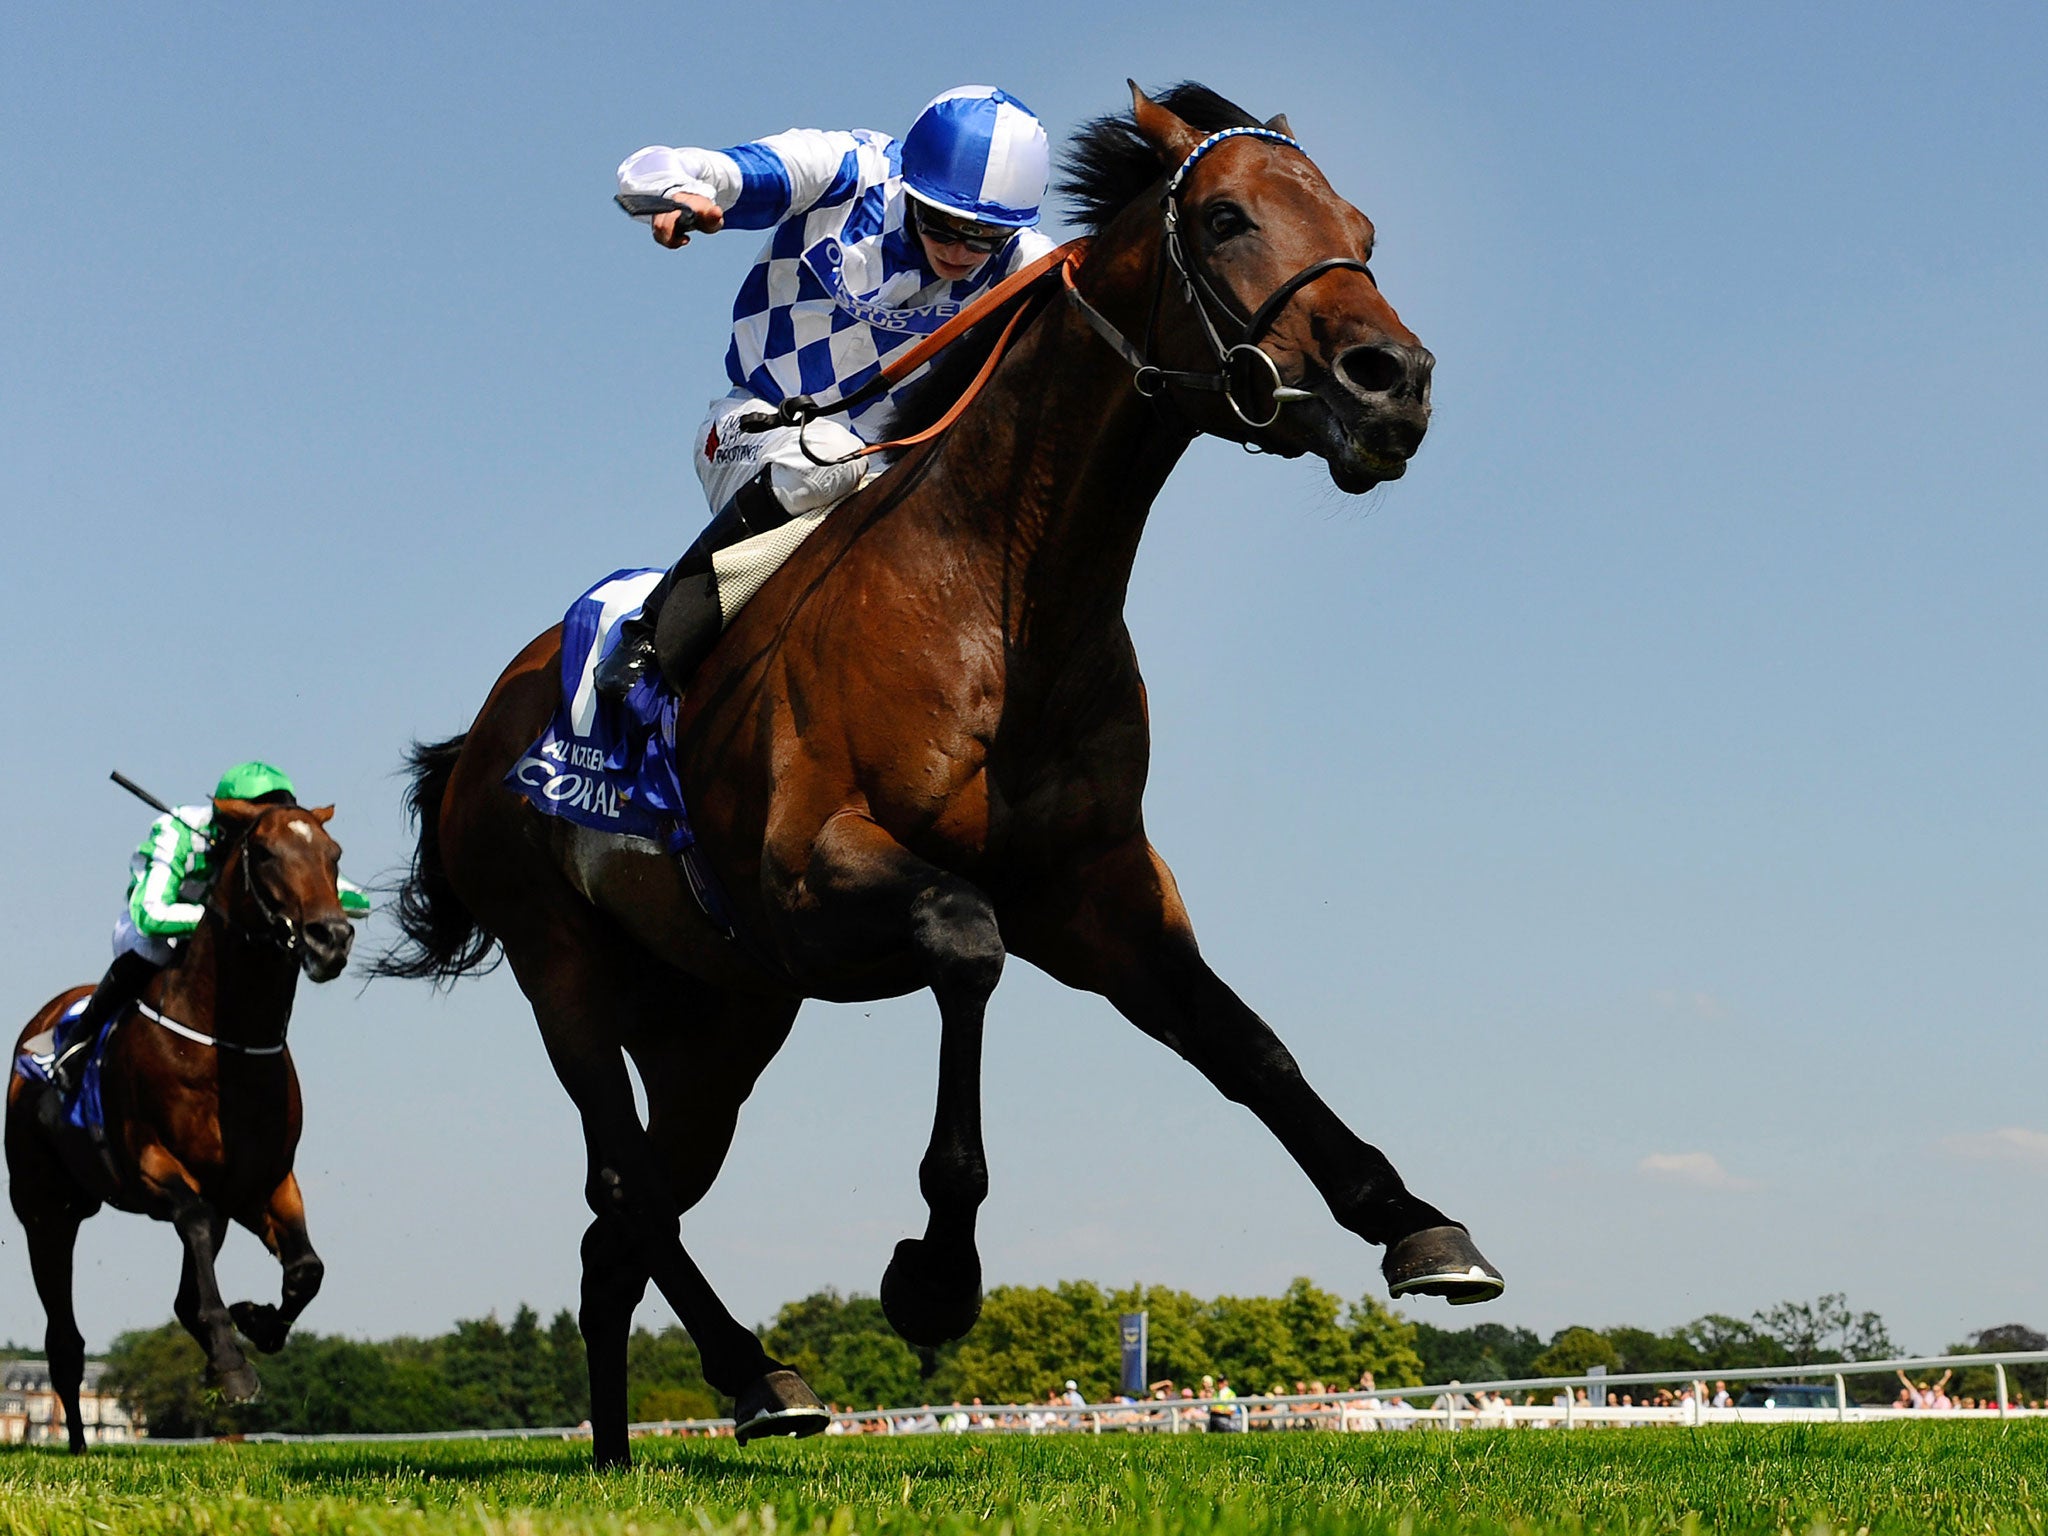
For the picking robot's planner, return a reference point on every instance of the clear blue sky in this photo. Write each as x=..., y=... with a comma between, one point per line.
x=1633, y=818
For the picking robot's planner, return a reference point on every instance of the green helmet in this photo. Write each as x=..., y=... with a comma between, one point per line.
x=252, y=781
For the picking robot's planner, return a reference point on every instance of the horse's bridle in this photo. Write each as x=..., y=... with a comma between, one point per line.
x=1235, y=362
x=275, y=928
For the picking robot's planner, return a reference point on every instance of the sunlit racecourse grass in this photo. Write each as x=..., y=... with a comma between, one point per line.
x=1961, y=1477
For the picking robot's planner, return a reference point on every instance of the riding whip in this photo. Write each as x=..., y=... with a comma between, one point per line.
x=152, y=802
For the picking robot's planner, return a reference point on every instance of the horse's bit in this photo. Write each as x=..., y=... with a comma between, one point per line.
x=1236, y=364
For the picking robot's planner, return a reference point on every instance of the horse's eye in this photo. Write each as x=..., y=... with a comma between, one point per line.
x=1223, y=220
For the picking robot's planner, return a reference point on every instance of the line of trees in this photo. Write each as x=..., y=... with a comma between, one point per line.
x=483, y=1375
x=1031, y=1339
x=1790, y=1333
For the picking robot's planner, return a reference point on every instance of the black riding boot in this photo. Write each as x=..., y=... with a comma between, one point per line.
x=647, y=645
x=121, y=986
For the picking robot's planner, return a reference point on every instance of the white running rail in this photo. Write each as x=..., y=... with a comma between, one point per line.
x=1447, y=1405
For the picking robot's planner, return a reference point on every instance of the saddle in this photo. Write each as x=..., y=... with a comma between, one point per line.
x=75, y=1121
x=36, y=1062
x=609, y=765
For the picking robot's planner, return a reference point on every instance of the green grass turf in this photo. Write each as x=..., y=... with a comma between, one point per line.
x=1959, y=1477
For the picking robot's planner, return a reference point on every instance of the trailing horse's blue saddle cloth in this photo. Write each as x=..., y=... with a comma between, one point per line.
x=37, y=1058
x=607, y=765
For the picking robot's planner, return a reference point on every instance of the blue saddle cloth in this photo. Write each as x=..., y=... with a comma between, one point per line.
x=610, y=765
x=83, y=1107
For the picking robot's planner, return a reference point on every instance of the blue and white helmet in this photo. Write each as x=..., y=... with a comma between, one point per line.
x=978, y=153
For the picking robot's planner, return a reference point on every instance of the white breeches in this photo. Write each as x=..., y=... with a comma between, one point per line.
x=131, y=940
x=727, y=458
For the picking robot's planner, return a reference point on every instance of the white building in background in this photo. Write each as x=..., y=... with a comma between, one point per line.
x=30, y=1412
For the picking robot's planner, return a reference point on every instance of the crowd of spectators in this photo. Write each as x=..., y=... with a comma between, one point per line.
x=1215, y=1407
x=1933, y=1395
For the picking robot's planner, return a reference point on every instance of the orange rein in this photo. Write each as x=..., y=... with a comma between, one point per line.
x=1063, y=258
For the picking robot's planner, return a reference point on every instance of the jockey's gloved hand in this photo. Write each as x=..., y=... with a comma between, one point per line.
x=355, y=901
x=709, y=216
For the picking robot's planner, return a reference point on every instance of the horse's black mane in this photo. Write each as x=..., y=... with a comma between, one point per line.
x=1108, y=164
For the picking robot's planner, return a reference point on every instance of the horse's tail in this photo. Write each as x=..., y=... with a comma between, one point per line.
x=443, y=939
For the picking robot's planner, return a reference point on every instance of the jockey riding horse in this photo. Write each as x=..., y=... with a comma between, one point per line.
x=168, y=879
x=168, y=1090
x=876, y=244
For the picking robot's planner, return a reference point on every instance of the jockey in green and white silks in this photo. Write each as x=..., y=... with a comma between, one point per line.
x=874, y=243
x=169, y=878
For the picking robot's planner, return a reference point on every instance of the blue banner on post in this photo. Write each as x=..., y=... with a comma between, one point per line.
x=1131, y=1330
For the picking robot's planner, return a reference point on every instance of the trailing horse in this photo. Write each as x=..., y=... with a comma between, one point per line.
x=923, y=747
x=199, y=1102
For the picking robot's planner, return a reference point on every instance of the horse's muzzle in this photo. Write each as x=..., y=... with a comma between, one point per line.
x=1377, y=400
x=324, y=946
x=1366, y=444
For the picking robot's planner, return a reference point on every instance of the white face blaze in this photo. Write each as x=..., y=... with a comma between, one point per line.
x=303, y=829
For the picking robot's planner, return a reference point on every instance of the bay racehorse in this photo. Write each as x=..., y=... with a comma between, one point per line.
x=923, y=747
x=200, y=1100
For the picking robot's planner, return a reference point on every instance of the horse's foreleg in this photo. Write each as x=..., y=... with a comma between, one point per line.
x=199, y=1305
x=282, y=1227
x=1129, y=939
x=871, y=891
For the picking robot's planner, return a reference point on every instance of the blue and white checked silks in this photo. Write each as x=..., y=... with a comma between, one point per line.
x=843, y=283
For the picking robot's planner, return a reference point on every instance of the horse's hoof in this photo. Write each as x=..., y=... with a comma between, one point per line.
x=1441, y=1261
x=260, y=1325
x=931, y=1294
x=778, y=1404
x=238, y=1384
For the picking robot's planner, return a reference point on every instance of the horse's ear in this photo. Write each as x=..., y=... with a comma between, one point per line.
x=237, y=813
x=321, y=813
x=1171, y=139
x=1279, y=124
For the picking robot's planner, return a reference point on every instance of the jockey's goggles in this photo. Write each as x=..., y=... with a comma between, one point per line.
x=982, y=239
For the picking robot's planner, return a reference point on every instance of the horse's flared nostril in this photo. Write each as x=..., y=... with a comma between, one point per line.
x=1386, y=370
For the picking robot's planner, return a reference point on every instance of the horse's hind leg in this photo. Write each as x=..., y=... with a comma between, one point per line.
x=698, y=1053
x=50, y=1246
x=614, y=1280
x=282, y=1226
x=51, y=1207
x=871, y=893
x=586, y=988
